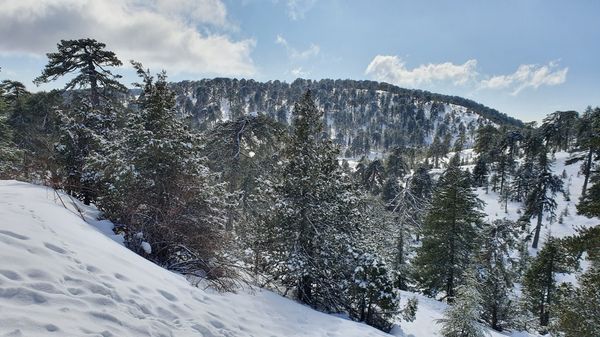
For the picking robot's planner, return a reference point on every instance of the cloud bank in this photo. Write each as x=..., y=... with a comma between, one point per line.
x=160, y=33
x=393, y=69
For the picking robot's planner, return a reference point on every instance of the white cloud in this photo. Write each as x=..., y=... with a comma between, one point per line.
x=296, y=9
x=528, y=76
x=311, y=51
x=393, y=69
x=160, y=33
x=299, y=72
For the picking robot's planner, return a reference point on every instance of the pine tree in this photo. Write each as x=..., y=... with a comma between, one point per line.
x=578, y=309
x=541, y=198
x=558, y=129
x=89, y=59
x=496, y=273
x=461, y=318
x=480, y=173
x=316, y=214
x=588, y=140
x=159, y=186
x=539, y=283
x=374, y=298
x=450, y=233
x=9, y=154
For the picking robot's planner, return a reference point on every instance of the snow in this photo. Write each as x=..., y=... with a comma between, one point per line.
x=62, y=276
x=146, y=247
x=429, y=311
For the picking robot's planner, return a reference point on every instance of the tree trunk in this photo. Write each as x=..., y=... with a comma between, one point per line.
x=93, y=84
x=538, y=228
x=588, y=169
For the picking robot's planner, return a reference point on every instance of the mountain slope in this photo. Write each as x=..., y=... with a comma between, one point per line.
x=360, y=115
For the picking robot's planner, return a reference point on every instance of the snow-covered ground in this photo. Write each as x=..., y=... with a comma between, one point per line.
x=61, y=276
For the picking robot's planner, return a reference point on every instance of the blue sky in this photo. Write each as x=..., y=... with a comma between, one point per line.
x=526, y=58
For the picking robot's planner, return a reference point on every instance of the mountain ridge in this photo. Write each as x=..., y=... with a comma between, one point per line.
x=360, y=115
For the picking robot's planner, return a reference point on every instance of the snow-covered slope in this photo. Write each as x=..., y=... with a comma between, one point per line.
x=60, y=276
x=573, y=184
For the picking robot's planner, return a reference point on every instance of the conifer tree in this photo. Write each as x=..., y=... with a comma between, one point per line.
x=461, y=318
x=539, y=282
x=450, y=233
x=9, y=154
x=541, y=198
x=496, y=273
x=89, y=60
x=159, y=186
x=578, y=309
x=316, y=214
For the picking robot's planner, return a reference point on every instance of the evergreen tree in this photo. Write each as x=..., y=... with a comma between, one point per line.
x=539, y=283
x=374, y=298
x=461, y=318
x=9, y=154
x=578, y=310
x=450, y=233
x=159, y=186
x=316, y=214
x=480, y=173
x=242, y=150
x=496, y=273
x=541, y=198
x=558, y=129
x=89, y=59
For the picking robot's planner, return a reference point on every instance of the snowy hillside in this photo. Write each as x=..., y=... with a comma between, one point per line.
x=62, y=276
x=360, y=115
x=573, y=183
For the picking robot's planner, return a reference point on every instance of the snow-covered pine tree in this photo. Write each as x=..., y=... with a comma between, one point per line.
x=578, y=310
x=450, y=233
x=409, y=206
x=589, y=141
x=541, y=197
x=316, y=215
x=539, y=283
x=86, y=122
x=243, y=149
x=374, y=299
x=496, y=273
x=160, y=187
x=9, y=154
x=461, y=317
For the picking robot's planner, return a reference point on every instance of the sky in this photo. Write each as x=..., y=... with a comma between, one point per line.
x=526, y=58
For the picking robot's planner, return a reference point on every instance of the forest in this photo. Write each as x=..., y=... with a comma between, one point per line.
x=339, y=194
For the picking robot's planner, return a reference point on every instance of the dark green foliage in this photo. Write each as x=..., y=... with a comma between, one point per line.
x=88, y=59
x=450, y=233
x=158, y=185
x=497, y=273
x=541, y=196
x=374, y=298
x=559, y=129
x=316, y=215
x=539, y=283
x=461, y=318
